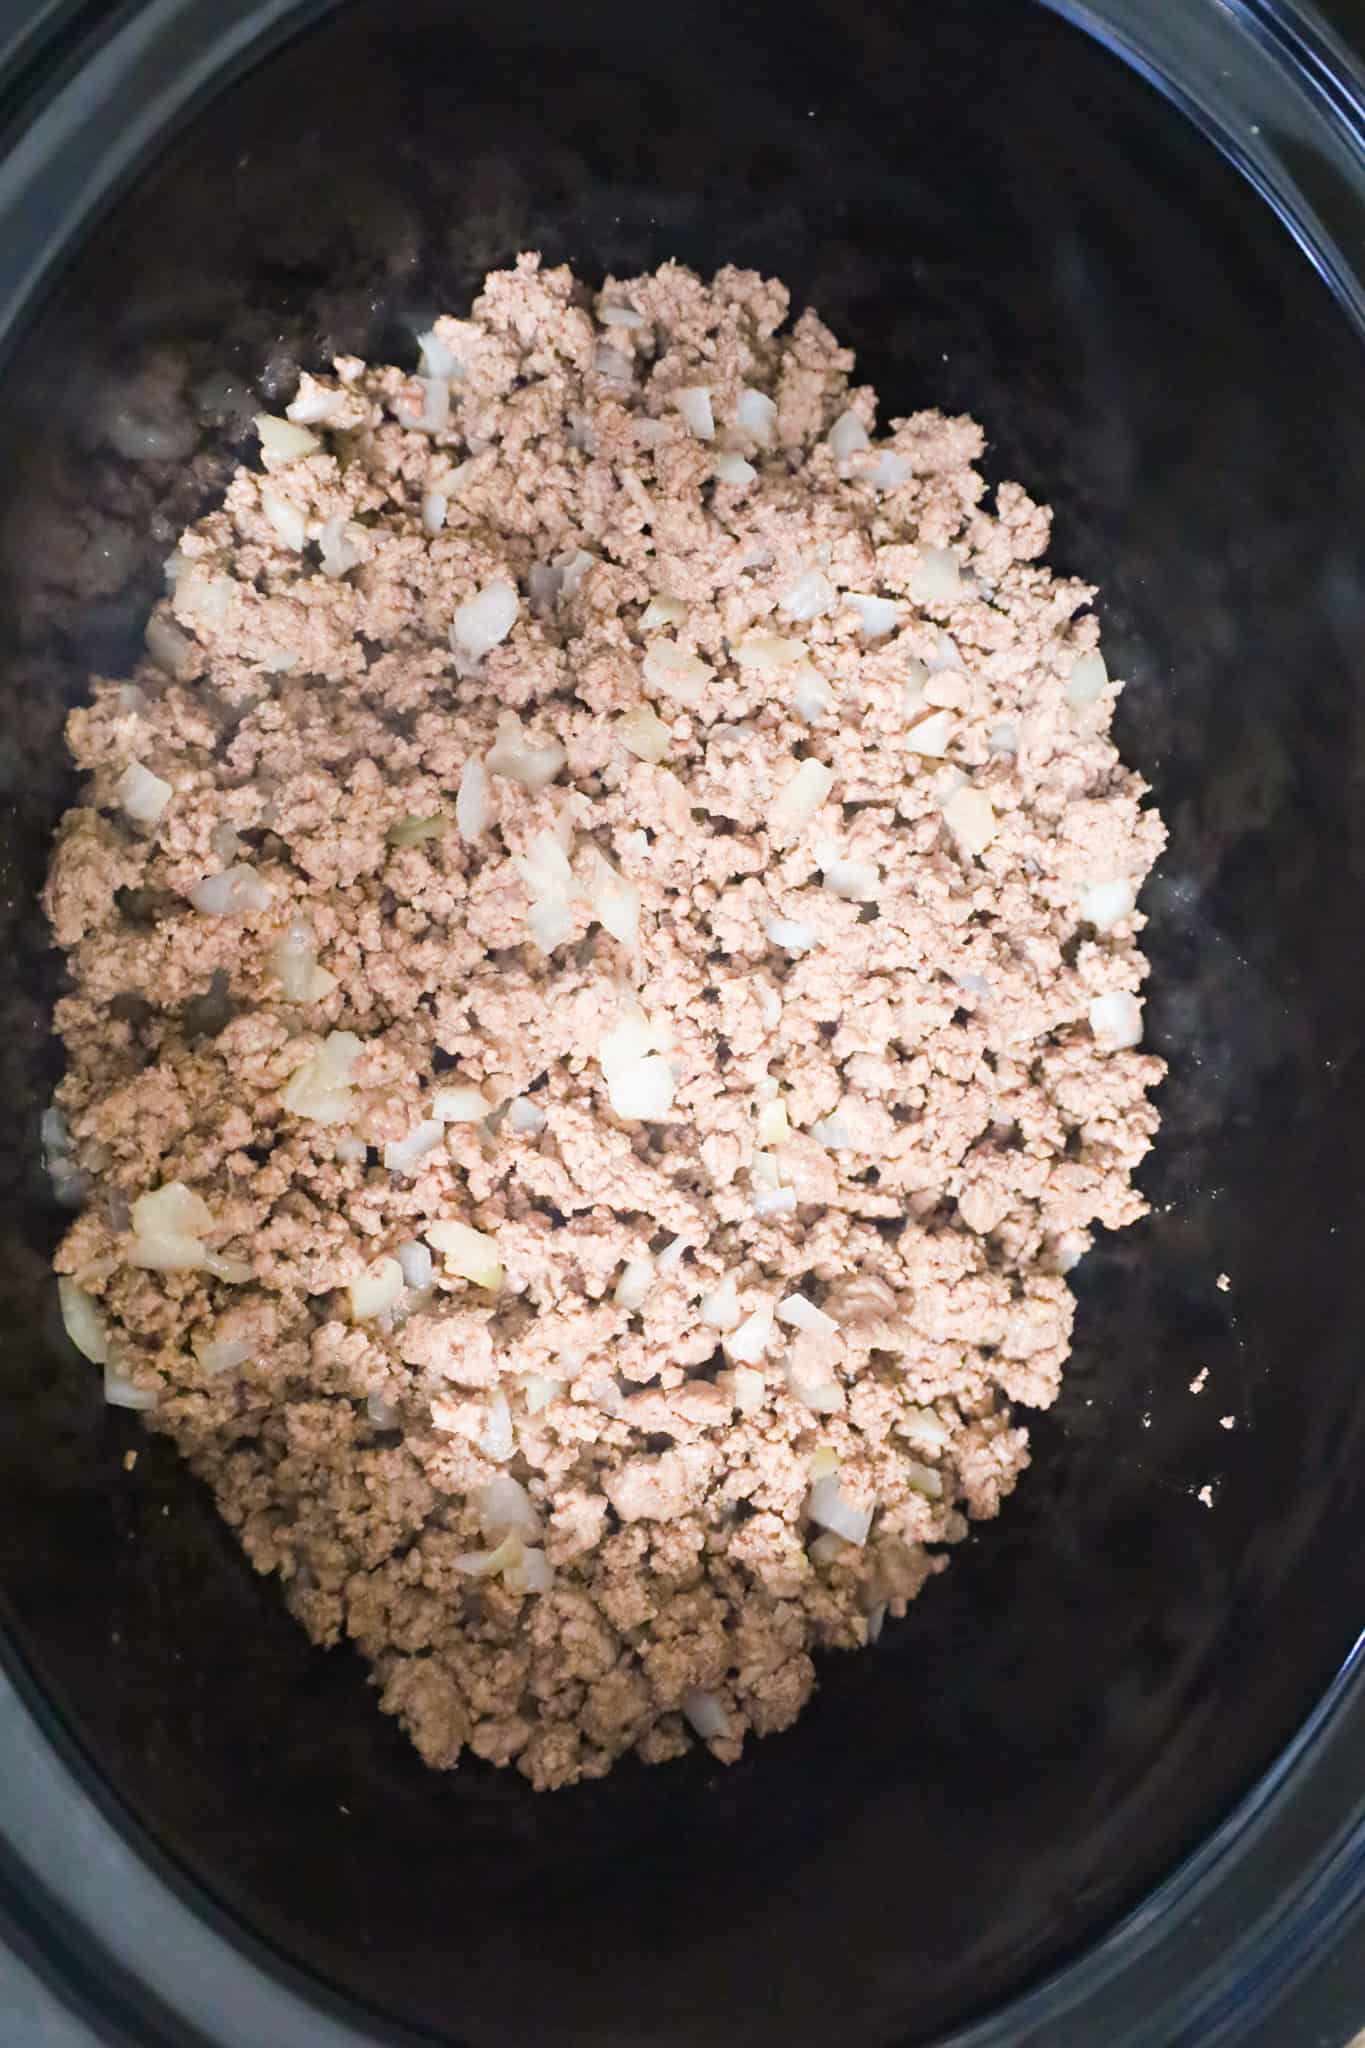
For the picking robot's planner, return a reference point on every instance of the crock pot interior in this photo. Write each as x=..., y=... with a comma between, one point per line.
x=1001, y=219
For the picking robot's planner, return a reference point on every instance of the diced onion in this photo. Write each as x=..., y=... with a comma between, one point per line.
x=774, y=1202
x=435, y=505
x=376, y=1289
x=484, y=621
x=747, y=1344
x=773, y=1127
x=833, y=1133
x=295, y=961
x=925, y=1427
x=1088, y=680
x=936, y=578
x=540, y=1390
x=462, y=1104
x=694, y=403
x=848, y=436
x=800, y=1314
x=169, y=647
x=471, y=801
x=637, y=1276
x=84, y=1324
x=467, y=1252
x=119, y=1391
x=800, y=799
x=338, y=552
x=670, y=668
x=1004, y=739
x=720, y=1308
x=705, y=1715
x=525, y=1116
x=756, y=414
x=232, y=894
x=411, y=831
x=1116, y=1019
x=662, y=610
x=497, y=1440
x=769, y=653
x=644, y=734
x=730, y=468
x=615, y=902
x=1106, y=904
x=415, y=1264
x=320, y=1089
x=285, y=519
x=437, y=359
x=173, y=1209
x=513, y=756
x=620, y=316
x=643, y=1091
x=612, y=365
x=822, y=1462
x=143, y=796
x=811, y=694
x=404, y=1155
x=923, y=1479
x=222, y=1354
x=530, y=1573
x=828, y=1508
x=878, y=615
x=382, y=1412
x=889, y=471
x=790, y=934
x=282, y=440
x=970, y=817
x=504, y=1508
x=931, y=735
x=857, y=881
x=809, y=597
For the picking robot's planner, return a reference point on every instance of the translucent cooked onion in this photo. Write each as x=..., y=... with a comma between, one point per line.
x=800, y=1314
x=833, y=1133
x=120, y=1392
x=768, y=1202
x=756, y=414
x=376, y=1289
x=540, y=1390
x=705, y=1715
x=924, y=1427
x=415, y=1264
x=746, y=1344
x=233, y=893
x=171, y=1210
x=662, y=610
x=878, y=616
x=970, y=817
x=889, y=471
x=413, y=831
x=791, y=934
x=644, y=734
x=642, y=1092
x=484, y=621
x=936, y=577
x=435, y=505
x=504, y=1508
x=514, y=756
x=669, y=668
x=233, y=1272
x=336, y=548
x=1088, y=680
x=285, y=519
x=694, y=403
x=498, y=1440
x=848, y=436
x=856, y=881
x=467, y=1252
x=800, y=799
x=434, y=417
x=525, y=1116
x=530, y=1573
x=169, y=647
x=930, y=736
x=462, y=1104
x=222, y=1354
x=320, y=1089
x=404, y=1155
x=730, y=468
x=83, y=1321
x=768, y=654
x=382, y=1412
x=809, y=597
x=141, y=794
x=620, y=316
x=828, y=1509
x=637, y=1277
x=923, y=1479
x=284, y=441
x=471, y=801
x=615, y=902
x=1107, y=904
x=720, y=1308
x=773, y=1127
x=811, y=694
x=1116, y=1020
x=437, y=359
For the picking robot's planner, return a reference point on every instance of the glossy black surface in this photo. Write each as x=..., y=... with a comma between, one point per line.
x=1001, y=219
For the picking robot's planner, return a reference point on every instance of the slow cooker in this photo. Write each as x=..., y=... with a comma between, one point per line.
x=1107, y=1781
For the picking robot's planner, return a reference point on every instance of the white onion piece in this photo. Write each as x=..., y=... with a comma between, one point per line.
x=168, y=646
x=644, y=734
x=222, y=1354
x=415, y=1264
x=856, y=881
x=670, y=668
x=720, y=1308
x=936, y=578
x=471, y=801
x=694, y=403
x=774, y=1202
x=770, y=653
x=1106, y=904
x=224, y=844
x=637, y=1276
x=484, y=621
x=790, y=934
x=540, y=1390
x=705, y=1715
x=141, y=794
x=876, y=1622
x=878, y=615
x=295, y=962
x=512, y=755
x=662, y=610
x=414, y=831
x=756, y=414
x=746, y=1344
x=435, y=505
x=338, y=552
x=848, y=436
x=504, y=1508
x=620, y=316
x=809, y=597
x=497, y=1440
x=545, y=868
x=434, y=417
x=809, y=1383
x=889, y=471
x=931, y=735
x=800, y=1314
x=833, y=1133
x=84, y=1323
x=530, y=1573
x=730, y=468
x=1088, y=680
x=376, y=1289
x=320, y=1089
x=925, y=1427
x=173, y=1209
x=572, y=566
x=120, y=1392
x=169, y=1252
x=1004, y=739
x=235, y=1272
x=800, y=799
x=642, y=1092
x=404, y=1155
x=611, y=365
x=970, y=817
x=1116, y=1020
x=467, y=1252
x=828, y=1509
x=285, y=519
x=437, y=359
x=282, y=440
x=382, y=1412
x=525, y=1116
x=773, y=1127
x=232, y=894
x=462, y=1104
x=614, y=901
x=626, y=1042
x=811, y=694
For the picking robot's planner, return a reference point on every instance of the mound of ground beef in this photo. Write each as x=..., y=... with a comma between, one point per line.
x=603, y=963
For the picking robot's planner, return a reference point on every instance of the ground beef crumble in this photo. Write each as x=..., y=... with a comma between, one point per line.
x=606, y=926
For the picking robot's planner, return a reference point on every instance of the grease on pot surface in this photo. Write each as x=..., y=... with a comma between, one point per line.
x=604, y=967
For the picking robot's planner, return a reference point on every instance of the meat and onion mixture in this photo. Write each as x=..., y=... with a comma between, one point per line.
x=603, y=1008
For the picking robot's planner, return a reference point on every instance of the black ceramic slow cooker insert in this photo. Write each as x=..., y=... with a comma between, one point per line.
x=1104, y=1783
